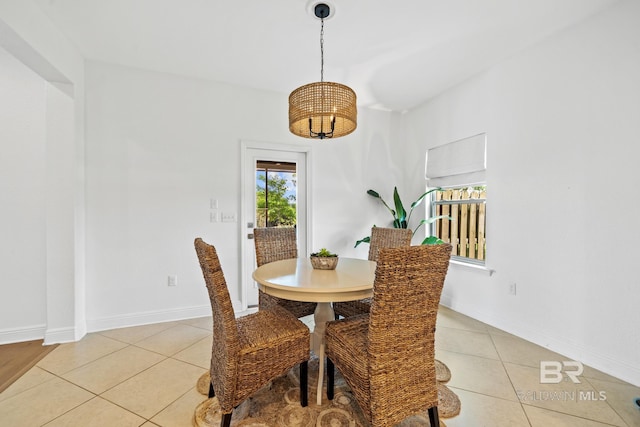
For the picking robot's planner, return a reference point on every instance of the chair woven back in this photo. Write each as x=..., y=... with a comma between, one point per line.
x=380, y=238
x=274, y=244
x=388, y=238
x=224, y=356
x=401, y=333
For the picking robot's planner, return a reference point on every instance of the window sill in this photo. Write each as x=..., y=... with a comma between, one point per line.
x=473, y=267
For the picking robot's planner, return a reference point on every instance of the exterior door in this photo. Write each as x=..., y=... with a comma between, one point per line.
x=269, y=169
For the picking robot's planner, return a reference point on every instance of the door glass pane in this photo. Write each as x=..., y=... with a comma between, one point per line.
x=276, y=194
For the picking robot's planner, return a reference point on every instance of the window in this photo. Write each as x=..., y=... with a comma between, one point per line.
x=458, y=168
x=466, y=231
x=276, y=193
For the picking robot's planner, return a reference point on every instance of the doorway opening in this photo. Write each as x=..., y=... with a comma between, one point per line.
x=275, y=189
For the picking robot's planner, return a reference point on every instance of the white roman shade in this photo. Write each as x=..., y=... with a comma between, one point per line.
x=458, y=163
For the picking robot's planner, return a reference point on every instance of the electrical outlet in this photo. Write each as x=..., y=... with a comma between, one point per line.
x=512, y=289
x=172, y=281
x=213, y=216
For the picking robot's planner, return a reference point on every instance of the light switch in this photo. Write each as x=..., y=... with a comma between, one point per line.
x=228, y=217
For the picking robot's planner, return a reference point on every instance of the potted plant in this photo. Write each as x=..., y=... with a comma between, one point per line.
x=401, y=218
x=324, y=260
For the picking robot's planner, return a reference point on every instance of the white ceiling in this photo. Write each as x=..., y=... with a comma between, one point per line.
x=395, y=55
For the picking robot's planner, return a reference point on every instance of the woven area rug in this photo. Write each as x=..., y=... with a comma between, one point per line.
x=278, y=404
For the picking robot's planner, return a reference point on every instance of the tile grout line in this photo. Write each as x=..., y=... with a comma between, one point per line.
x=100, y=395
x=607, y=400
x=513, y=387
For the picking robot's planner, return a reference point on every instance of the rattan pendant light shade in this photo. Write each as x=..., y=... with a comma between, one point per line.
x=319, y=109
x=323, y=109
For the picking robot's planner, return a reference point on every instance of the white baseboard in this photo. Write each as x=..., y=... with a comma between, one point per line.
x=146, y=318
x=31, y=333
x=40, y=332
x=601, y=362
x=60, y=335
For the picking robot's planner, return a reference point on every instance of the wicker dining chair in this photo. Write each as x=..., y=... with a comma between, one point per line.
x=380, y=238
x=252, y=350
x=275, y=244
x=387, y=357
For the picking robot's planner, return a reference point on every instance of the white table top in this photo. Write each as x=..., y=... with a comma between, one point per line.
x=297, y=280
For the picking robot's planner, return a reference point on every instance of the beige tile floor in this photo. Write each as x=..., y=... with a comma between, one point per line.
x=146, y=376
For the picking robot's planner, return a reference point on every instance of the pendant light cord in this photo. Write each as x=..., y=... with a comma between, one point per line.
x=322, y=49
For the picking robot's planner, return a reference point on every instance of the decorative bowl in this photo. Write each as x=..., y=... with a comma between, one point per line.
x=324, y=262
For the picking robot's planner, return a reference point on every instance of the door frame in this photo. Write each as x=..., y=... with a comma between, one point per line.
x=246, y=244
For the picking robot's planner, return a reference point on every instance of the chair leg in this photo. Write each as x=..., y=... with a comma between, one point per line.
x=330, y=375
x=434, y=419
x=303, y=384
x=212, y=393
x=225, y=420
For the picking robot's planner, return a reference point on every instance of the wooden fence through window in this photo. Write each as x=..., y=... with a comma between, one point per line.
x=466, y=229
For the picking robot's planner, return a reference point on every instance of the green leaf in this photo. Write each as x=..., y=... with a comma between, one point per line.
x=401, y=214
x=430, y=221
x=364, y=240
x=420, y=199
x=435, y=218
x=374, y=194
x=432, y=240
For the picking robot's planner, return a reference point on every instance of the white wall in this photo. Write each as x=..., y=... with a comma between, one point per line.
x=22, y=197
x=159, y=147
x=562, y=125
x=44, y=111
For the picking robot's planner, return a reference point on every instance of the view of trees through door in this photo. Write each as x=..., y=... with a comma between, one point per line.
x=276, y=194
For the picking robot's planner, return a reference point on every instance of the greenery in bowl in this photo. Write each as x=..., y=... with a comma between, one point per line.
x=324, y=253
x=324, y=260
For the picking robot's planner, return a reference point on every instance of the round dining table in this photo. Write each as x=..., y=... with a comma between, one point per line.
x=296, y=279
